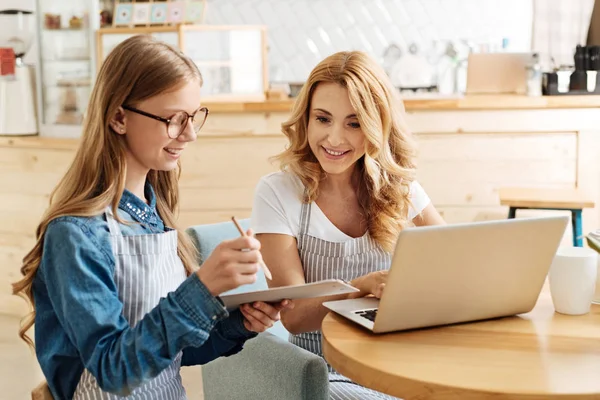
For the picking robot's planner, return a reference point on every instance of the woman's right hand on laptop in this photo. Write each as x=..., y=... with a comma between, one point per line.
x=371, y=284
x=232, y=263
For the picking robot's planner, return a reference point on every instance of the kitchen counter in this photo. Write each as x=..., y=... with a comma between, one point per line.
x=434, y=103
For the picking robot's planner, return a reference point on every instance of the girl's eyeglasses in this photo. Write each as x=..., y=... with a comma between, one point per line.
x=177, y=122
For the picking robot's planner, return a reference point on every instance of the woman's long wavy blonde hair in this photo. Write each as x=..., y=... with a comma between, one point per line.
x=384, y=174
x=137, y=69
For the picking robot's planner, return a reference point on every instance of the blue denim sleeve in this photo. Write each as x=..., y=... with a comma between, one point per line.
x=78, y=273
x=226, y=339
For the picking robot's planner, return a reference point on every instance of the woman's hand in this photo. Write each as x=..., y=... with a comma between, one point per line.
x=259, y=316
x=232, y=263
x=373, y=283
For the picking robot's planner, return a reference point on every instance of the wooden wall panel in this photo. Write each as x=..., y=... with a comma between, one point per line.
x=468, y=169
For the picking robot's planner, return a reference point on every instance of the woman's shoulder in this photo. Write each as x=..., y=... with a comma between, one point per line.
x=77, y=222
x=277, y=204
x=71, y=237
x=419, y=199
x=282, y=184
x=281, y=179
x=417, y=191
x=90, y=229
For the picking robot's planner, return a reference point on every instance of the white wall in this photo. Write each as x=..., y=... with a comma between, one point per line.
x=302, y=32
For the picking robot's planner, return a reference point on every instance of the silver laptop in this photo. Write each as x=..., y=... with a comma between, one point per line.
x=459, y=273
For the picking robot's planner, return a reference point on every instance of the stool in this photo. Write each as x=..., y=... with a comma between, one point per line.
x=549, y=199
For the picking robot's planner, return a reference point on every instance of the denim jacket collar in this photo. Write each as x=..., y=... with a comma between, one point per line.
x=138, y=209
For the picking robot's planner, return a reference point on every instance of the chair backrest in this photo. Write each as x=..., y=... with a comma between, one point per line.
x=207, y=236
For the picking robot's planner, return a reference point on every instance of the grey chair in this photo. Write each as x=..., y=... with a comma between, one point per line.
x=269, y=367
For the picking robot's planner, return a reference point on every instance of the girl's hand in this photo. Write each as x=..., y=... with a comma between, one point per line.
x=259, y=316
x=232, y=263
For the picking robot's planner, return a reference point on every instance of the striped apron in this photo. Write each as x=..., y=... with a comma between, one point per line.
x=147, y=268
x=346, y=261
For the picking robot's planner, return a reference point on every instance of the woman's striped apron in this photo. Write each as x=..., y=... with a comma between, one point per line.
x=332, y=260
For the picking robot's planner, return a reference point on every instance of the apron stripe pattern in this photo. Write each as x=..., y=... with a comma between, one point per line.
x=147, y=268
x=331, y=260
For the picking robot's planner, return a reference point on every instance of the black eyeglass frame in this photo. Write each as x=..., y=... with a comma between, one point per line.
x=167, y=121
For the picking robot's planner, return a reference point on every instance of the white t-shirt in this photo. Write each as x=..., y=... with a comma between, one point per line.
x=278, y=203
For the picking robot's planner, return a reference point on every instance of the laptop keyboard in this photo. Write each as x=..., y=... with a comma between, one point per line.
x=368, y=314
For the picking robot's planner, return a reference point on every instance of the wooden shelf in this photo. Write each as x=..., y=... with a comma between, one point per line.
x=60, y=60
x=137, y=29
x=500, y=102
x=436, y=103
x=65, y=29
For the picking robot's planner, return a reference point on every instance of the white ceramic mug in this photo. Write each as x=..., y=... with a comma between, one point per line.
x=573, y=279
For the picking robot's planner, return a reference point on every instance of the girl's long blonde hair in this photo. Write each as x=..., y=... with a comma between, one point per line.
x=137, y=69
x=387, y=169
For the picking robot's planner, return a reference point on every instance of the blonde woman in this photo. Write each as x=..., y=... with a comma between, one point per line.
x=345, y=191
x=119, y=302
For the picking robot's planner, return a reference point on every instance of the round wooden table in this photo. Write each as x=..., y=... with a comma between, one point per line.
x=538, y=355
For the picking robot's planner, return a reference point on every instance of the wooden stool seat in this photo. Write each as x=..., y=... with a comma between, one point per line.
x=573, y=200
x=545, y=198
x=41, y=392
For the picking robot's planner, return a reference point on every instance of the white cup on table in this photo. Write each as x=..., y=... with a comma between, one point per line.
x=573, y=279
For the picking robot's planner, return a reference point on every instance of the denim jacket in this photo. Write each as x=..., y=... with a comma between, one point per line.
x=79, y=322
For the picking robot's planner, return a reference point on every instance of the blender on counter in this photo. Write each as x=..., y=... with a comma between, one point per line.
x=17, y=80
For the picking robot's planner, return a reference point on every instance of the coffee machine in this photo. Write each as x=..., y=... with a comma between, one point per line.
x=583, y=79
x=17, y=87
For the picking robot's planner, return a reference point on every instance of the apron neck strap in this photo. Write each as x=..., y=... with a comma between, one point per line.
x=113, y=225
x=305, y=212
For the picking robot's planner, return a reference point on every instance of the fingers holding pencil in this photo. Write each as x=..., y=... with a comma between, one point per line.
x=262, y=264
